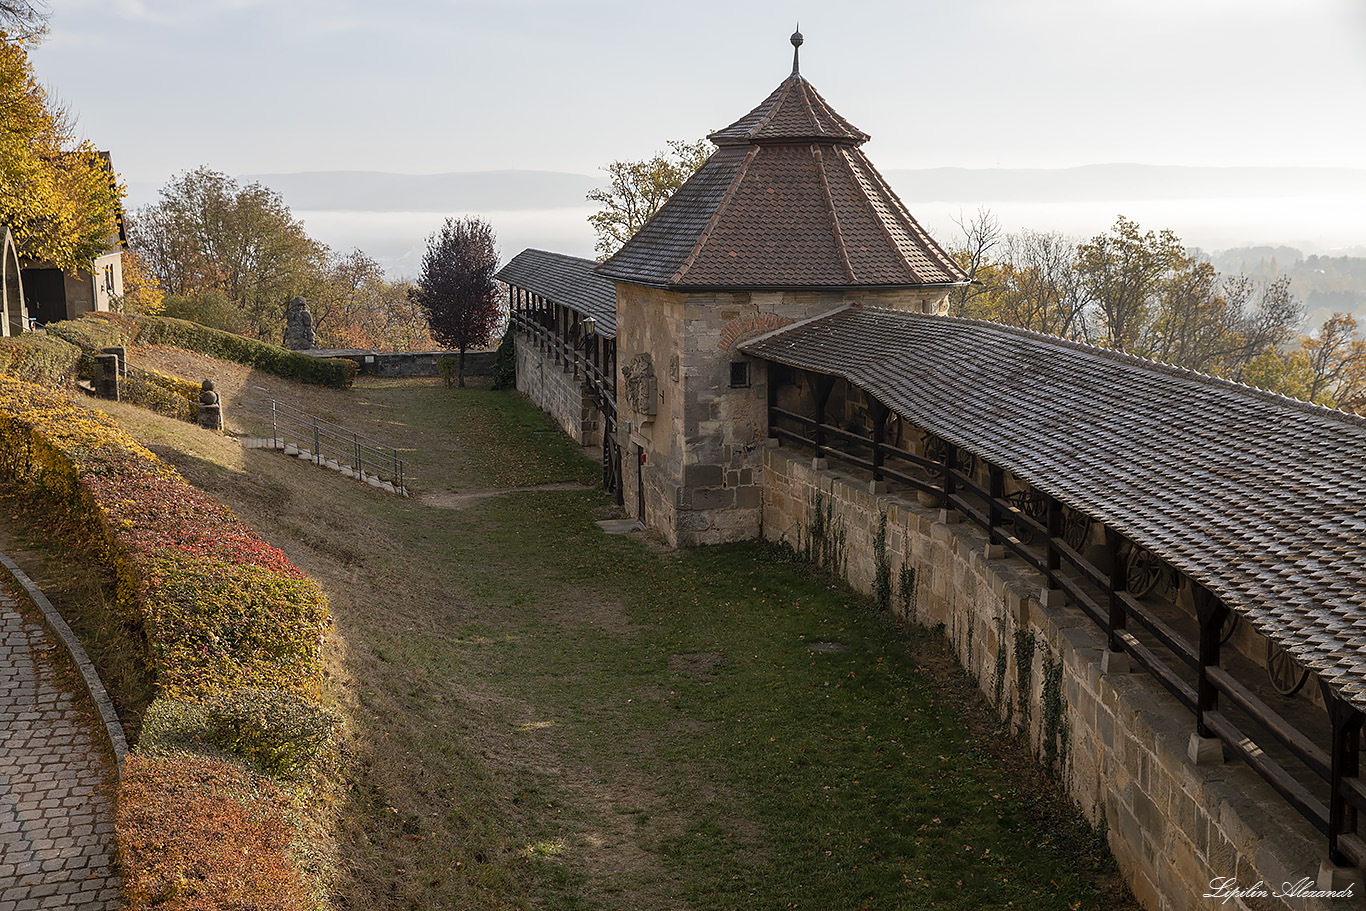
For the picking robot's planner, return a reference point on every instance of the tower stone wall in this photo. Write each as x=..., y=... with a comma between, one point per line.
x=698, y=408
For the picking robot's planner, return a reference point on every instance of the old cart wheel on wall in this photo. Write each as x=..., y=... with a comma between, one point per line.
x=1034, y=505
x=1076, y=528
x=1285, y=672
x=1145, y=572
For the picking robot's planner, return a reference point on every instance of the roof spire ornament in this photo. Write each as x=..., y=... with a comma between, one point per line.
x=796, y=46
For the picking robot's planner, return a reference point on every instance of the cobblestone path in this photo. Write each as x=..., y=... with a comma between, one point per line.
x=56, y=828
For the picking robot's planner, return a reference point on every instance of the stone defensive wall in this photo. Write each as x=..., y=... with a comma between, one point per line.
x=557, y=389
x=1117, y=741
x=409, y=363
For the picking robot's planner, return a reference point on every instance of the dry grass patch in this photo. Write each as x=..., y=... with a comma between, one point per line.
x=544, y=716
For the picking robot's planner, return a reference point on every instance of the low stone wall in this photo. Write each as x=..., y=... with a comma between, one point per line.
x=553, y=389
x=1118, y=741
x=410, y=363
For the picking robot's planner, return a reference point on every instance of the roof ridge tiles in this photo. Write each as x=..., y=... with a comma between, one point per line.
x=899, y=208
x=1306, y=408
x=715, y=219
x=832, y=214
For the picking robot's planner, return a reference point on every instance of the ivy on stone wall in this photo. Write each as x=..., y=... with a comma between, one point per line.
x=822, y=540
x=1056, y=731
x=882, y=576
x=1024, y=673
x=906, y=588
x=1002, y=662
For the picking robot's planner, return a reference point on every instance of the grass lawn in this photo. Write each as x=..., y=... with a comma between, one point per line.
x=544, y=716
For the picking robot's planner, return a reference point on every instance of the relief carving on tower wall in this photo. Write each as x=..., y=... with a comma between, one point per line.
x=638, y=377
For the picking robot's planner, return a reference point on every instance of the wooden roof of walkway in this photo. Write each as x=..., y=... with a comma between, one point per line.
x=1260, y=498
x=568, y=281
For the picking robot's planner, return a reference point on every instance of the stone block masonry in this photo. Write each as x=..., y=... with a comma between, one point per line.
x=1117, y=741
x=555, y=390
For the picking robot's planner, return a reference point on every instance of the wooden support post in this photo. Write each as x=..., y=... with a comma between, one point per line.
x=878, y=412
x=1119, y=582
x=576, y=336
x=542, y=338
x=1212, y=613
x=821, y=387
x=996, y=489
x=1345, y=757
x=771, y=373
x=1054, y=533
x=950, y=486
x=557, y=332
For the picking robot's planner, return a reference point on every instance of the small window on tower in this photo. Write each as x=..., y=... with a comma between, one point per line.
x=739, y=374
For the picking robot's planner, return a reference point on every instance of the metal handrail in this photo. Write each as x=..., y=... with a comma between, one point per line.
x=326, y=441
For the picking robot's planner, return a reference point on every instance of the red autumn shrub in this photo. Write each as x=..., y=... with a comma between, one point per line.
x=198, y=834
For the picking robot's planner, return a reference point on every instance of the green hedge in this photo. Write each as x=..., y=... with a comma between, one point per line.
x=93, y=335
x=278, y=731
x=43, y=359
x=338, y=373
x=162, y=393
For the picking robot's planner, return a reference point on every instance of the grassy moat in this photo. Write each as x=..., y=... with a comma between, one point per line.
x=545, y=716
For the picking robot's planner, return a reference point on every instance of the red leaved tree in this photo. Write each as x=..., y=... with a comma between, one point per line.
x=456, y=288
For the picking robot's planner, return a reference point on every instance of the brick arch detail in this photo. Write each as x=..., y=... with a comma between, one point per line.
x=747, y=327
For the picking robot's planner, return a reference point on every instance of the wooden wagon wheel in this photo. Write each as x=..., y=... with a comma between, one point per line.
x=965, y=462
x=1230, y=626
x=1031, y=503
x=1076, y=528
x=932, y=447
x=1145, y=571
x=1284, y=671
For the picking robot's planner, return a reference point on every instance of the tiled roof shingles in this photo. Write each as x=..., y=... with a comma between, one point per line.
x=565, y=280
x=1259, y=498
x=786, y=201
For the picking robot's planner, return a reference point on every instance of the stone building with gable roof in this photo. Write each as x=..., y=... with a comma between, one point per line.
x=787, y=220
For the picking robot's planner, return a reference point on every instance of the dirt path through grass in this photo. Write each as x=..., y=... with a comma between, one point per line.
x=546, y=716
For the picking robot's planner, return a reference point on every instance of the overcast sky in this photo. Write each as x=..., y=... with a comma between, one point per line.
x=424, y=86
x=428, y=86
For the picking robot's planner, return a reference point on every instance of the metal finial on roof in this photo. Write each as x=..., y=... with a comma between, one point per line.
x=796, y=46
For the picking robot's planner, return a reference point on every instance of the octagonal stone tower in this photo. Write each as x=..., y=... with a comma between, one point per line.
x=787, y=220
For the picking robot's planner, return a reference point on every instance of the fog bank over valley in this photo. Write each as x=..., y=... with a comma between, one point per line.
x=1315, y=210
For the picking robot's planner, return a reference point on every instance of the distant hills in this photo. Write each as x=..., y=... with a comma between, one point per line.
x=1317, y=210
x=510, y=190
x=463, y=191
x=1101, y=182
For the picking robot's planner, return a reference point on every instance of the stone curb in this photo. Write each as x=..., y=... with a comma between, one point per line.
x=93, y=684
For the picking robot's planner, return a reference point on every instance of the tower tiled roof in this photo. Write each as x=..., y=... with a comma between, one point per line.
x=795, y=111
x=787, y=201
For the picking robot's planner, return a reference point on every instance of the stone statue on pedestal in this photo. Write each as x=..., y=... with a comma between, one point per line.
x=299, y=334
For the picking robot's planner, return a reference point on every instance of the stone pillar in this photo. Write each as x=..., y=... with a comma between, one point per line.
x=121, y=353
x=107, y=376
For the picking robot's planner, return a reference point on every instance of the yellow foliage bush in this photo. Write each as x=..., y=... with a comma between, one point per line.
x=198, y=834
x=221, y=610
